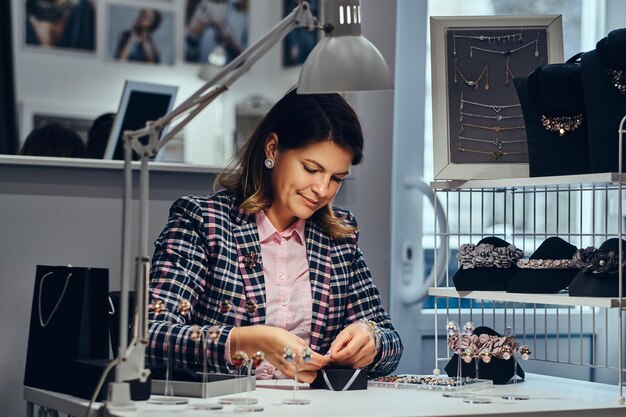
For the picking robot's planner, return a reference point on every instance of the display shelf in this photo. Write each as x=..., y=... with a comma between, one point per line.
x=560, y=180
x=549, y=299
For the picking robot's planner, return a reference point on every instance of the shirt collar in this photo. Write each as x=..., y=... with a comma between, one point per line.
x=267, y=229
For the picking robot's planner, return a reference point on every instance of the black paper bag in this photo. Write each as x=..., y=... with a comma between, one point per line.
x=68, y=326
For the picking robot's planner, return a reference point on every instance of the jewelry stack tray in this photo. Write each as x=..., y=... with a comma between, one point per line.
x=431, y=383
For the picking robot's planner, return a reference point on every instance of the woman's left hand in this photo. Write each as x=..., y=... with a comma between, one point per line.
x=354, y=346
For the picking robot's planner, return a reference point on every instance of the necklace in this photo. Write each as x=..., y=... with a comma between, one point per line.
x=618, y=79
x=471, y=83
x=562, y=124
x=492, y=128
x=43, y=322
x=489, y=39
x=497, y=117
x=508, y=51
x=496, y=142
x=494, y=155
x=495, y=107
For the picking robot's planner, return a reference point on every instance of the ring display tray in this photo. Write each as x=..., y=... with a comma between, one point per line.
x=431, y=383
x=216, y=385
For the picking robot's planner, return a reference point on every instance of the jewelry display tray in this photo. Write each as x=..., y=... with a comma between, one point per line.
x=216, y=385
x=473, y=385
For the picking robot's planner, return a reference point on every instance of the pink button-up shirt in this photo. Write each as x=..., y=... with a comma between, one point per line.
x=287, y=286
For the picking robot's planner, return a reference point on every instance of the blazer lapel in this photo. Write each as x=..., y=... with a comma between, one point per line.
x=318, y=254
x=250, y=267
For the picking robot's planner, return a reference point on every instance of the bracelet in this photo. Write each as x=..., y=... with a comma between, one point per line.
x=375, y=331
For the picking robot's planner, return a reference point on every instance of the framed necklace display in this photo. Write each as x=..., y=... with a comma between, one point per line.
x=478, y=125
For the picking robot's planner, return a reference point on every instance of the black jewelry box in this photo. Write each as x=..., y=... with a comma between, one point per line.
x=340, y=379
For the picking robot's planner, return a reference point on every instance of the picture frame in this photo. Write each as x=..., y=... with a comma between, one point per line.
x=215, y=32
x=78, y=34
x=478, y=125
x=140, y=33
x=299, y=42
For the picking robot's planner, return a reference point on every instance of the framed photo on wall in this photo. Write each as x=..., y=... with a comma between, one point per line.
x=299, y=42
x=216, y=31
x=140, y=34
x=478, y=125
x=63, y=25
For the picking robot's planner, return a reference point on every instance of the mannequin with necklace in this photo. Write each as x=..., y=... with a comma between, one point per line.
x=553, y=104
x=604, y=80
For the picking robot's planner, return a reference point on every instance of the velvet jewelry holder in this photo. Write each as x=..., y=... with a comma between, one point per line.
x=553, y=105
x=340, y=379
x=500, y=371
x=545, y=280
x=603, y=72
x=594, y=284
x=485, y=279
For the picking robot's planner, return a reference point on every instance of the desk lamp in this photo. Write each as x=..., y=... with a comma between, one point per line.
x=342, y=61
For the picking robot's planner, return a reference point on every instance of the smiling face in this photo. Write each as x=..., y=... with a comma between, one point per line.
x=304, y=180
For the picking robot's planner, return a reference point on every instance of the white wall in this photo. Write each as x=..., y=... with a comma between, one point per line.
x=89, y=85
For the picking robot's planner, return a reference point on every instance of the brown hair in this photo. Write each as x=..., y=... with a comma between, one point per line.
x=299, y=120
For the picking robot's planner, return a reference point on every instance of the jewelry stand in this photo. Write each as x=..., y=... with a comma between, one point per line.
x=290, y=357
x=525, y=354
x=168, y=399
x=250, y=406
x=239, y=359
x=212, y=334
x=465, y=355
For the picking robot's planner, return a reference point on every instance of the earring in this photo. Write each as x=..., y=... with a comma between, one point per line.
x=269, y=163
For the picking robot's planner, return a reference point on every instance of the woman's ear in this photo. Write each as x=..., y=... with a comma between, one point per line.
x=271, y=146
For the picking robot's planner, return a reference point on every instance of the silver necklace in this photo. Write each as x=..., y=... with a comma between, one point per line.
x=58, y=303
x=497, y=117
x=489, y=39
x=496, y=142
x=508, y=51
x=495, y=107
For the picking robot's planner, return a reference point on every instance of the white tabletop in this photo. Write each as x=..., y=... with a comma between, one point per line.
x=548, y=396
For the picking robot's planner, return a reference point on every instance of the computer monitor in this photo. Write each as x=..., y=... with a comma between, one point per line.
x=140, y=103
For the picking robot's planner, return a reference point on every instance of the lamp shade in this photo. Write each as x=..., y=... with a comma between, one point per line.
x=343, y=60
x=344, y=63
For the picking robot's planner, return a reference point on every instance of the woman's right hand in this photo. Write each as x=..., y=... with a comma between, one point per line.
x=272, y=341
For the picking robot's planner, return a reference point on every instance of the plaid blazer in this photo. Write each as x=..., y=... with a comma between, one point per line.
x=204, y=256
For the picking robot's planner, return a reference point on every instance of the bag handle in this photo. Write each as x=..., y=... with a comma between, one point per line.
x=56, y=305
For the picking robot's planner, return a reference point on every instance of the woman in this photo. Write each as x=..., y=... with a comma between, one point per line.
x=269, y=260
x=137, y=44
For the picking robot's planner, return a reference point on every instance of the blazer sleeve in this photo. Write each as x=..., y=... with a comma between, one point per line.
x=364, y=304
x=180, y=267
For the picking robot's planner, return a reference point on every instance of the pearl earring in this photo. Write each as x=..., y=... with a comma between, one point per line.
x=269, y=163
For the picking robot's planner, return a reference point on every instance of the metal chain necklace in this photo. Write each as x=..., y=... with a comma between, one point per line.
x=472, y=83
x=497, y=117
x=492, y=128
x=508, y=51
x=494, y=155
x=496, y=142
x=495, y=107
x=56, y=305
x=501, y=38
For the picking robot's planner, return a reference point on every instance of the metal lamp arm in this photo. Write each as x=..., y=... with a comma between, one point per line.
x=301, y=16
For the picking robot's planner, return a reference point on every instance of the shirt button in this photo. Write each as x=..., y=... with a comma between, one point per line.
x=281, y=276
x=281, y=241
x=284, y=302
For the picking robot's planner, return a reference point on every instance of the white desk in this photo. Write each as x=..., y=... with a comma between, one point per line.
x=550, y=396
